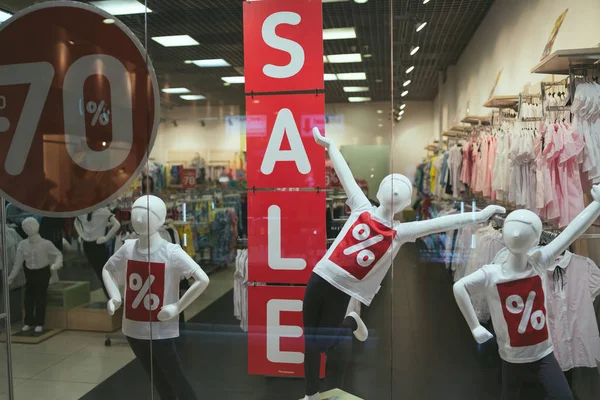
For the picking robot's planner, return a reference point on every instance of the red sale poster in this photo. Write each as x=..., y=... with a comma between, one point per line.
x=144, y=291
x=286, y=235
x=281, y=150
x=288, y=36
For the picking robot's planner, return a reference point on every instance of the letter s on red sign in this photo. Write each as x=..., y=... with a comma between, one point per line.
x=294, y=49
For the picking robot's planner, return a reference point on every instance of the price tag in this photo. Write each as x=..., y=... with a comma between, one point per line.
x=188, y=178
x=79, y=108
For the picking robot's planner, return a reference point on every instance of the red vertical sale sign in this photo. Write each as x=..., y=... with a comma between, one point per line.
x=286, y=227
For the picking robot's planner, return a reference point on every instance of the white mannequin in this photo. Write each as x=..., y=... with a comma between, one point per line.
x=114, y=224
x=520, y=238
x=147, y=217
x=35, y=252
x=345, y=271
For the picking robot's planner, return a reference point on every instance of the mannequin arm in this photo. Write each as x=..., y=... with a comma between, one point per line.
x=339, y=164
x=450, y=222
x=16, y=269
x=463, y=300
x=115, y=226
x=113, y=291
x=78, y=227
x=575, y=229
x=58, y=257
x=171, y=311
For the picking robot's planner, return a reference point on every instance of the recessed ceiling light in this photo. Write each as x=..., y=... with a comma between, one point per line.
x=413, y=50
x=217, y=62
x=339, y=33
x=71, y=42
x=399, y=118
x=122, y=7
x=406, y=83
x=410, y=69
x=358, y=99
x=360, y=1
x=226, y=84
x=4, y=16
x=192, y=97
x=175, y=40
x=176, y=90
x=368, y=55
x=421, y=25
x=380, y=125
x=344, y=58
x=401, y=112
x=352, y=76
x=379, y=111
x=188, y=61
x=378, y=80
x=402, y=106
x=109, y=21
x=330, y=77
x=234, y=79
x=404, y=93
x=355, y=89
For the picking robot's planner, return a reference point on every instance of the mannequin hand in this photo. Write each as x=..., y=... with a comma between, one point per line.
x=596, y=192
x=490, y=211
x=168, y=312
x=320, y=139
x=10, y=280
x=56, y=267
x=481, y=334
x=102, y=240
x=112, y=306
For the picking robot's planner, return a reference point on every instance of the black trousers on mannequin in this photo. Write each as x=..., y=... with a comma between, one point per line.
x=36, y=291
x=546, y=371
x=323, y=313
x=169, y=379
x=97, y=256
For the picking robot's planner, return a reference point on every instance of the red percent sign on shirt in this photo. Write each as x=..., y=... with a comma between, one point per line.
x=79, y=108
x=524, y=311
x=145, y=290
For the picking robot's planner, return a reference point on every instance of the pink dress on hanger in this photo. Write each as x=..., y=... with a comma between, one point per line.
x=568, y=173
x=551, y=153
x=465, y=173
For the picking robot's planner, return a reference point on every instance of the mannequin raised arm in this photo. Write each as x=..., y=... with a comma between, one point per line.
x=201, y=282
x=339, y=164
x=575, y=229
x=115, y=226
x=450, y=222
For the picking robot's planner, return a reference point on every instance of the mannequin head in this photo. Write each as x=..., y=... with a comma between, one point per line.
x=30, y=226
x=148, y=215
x=522, y=231
x=395, y=192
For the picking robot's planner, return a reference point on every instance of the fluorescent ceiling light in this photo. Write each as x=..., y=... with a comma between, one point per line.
x=401, y=112
x=4, y=16
x=355, y=89
x=175, y=40
x=404, y=93
x=334, y=1
x=192, y=97
x=399, y=118
x=421, y=25
x=330, y=77
x=424, y=1
x=413, y=50
x=217, y=62
x=402, y=106
x=358, y=99
x=368, y=55
x=410, y=69
x=344, y=58
x=406, y=83
x=352, y=76
x=109, y=21
x=122, y=7
x=176, y=90
x=339, y=33
x=234, y=79
x=360, y=1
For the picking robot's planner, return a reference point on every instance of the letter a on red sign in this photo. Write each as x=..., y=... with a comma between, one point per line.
x=283, y=45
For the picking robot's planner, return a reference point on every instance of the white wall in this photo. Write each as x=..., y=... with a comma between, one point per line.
x=512, y=36
x=350, y=124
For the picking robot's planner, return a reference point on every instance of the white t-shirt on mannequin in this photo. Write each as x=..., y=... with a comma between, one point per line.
x=364, y=250
x=94, y=227
x=518, y=308
x=146, y=293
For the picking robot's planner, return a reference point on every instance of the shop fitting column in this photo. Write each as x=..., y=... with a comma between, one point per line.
x=5, y=310
x=283, y=46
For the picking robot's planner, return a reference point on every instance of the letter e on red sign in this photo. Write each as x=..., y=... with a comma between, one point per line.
x=283, y=45
x=281, y=149
x=286, y=235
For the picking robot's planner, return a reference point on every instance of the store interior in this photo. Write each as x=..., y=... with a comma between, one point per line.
x=408, y=98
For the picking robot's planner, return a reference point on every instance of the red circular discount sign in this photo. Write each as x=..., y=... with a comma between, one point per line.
x=79, y=108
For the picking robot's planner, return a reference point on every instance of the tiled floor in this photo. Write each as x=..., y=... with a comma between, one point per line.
x=69, y=365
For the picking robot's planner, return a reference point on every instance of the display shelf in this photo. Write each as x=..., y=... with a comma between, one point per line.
x=502, y=102
x=461, y=128
x=560, y=61
x=476, y=120
x=452, y=134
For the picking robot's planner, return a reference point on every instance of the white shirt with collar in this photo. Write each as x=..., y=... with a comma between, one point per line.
x=571, y=315
x=94, y=226
x=37, y=253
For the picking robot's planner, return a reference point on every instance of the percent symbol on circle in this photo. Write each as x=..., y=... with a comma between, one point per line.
x=4, y=122
x=365, y=257
x=137, y=284
x=101, y=114
x=515, y=305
